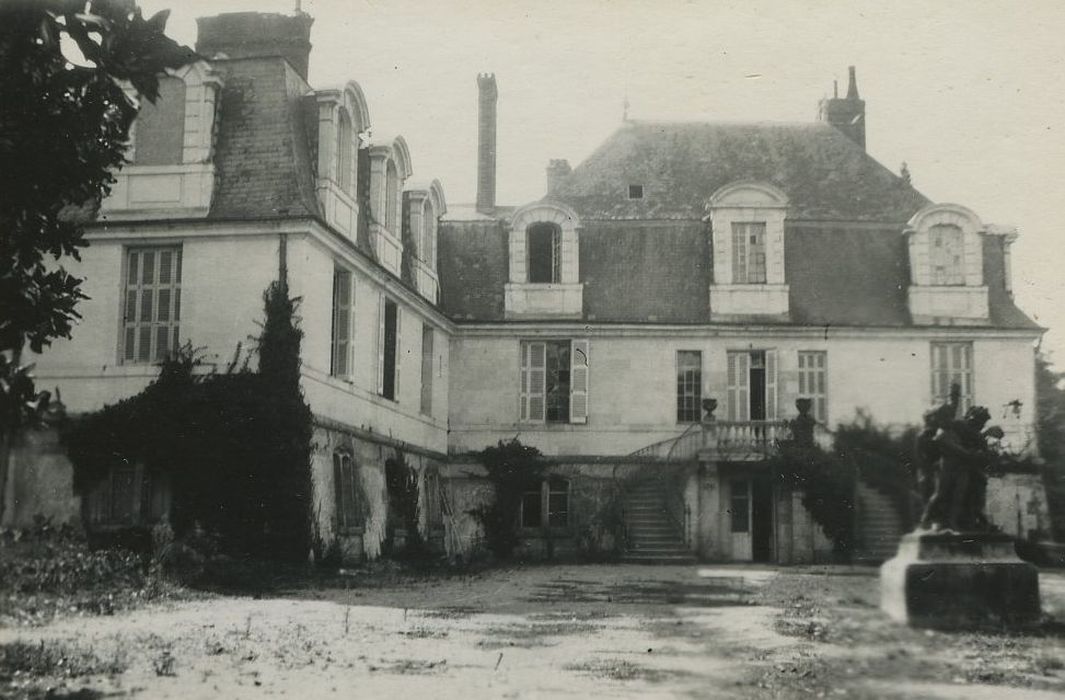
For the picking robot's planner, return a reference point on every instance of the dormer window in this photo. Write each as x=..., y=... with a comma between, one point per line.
x=423, y=207
x=545, y=253
x=390, y=166
x=747, y=230
x=171, y=153
x=635, y=191
x=346, y=138
x=544, y=263
x=342, y=117
x=945, y=243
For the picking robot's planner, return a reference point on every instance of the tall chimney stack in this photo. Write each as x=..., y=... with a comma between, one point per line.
x=486, y=142
x=847, y=113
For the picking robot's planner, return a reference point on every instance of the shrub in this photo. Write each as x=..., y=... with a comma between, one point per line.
x=511, y=468
x=401, y=480
x=827, y=486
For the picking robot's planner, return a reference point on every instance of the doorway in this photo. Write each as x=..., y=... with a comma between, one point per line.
x=751, y=519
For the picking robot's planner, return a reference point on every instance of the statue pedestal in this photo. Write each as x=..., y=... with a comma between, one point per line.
x=959, y=581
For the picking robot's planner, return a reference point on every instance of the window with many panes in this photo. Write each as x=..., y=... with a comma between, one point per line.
x=128, y=494
x=546, y=504
x=813, y=368
x=952, y=363
x=554, y=381
x=689, y=385
x=946, y=244
x=343, y=324
x=347, y=503
x=152, y=305
x=545, y=253
x=748, y=252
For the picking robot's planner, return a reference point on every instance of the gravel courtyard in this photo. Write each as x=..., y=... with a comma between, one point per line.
x=543, y=631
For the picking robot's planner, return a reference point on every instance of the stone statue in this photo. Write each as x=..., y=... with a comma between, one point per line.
x=954, y=453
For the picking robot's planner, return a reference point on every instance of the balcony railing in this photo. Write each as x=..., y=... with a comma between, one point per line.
x=728, y=440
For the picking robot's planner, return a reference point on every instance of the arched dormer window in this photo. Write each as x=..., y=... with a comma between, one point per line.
x=747, y=229
x=946, y=249
x=171, y=152
x=544, y=263
x=342, y=116
x=424, y=206
x=390, y=166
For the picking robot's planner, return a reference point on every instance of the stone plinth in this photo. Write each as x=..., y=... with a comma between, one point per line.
x=959, y=581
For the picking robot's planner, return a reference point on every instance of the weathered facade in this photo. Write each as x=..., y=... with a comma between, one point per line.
x=749, y=265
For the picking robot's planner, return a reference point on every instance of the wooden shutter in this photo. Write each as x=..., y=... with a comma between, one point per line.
x=342, y=323
x=578, y=392
x=381, y=346
x=739, y=378
x=399, y=352
x=338, y=486
x=533, y=378
x=771, y=384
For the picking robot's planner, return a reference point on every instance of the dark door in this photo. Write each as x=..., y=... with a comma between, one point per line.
x=762, y=520
x=758, y=385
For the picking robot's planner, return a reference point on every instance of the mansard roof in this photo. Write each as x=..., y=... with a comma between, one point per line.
x=824, y=174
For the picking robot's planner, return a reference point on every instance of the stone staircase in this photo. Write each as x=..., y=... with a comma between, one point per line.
x=653, y=537
x=880, y=526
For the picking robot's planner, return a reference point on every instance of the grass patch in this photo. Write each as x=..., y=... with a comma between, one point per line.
x=621, y=670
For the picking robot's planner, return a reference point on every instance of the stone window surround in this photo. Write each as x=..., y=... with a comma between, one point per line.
x=388, y=244
x=340, y=207
x=565, y=298
x=419, y=199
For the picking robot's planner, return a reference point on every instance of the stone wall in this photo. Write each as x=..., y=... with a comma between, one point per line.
x=40, y=482
x=1017, y=503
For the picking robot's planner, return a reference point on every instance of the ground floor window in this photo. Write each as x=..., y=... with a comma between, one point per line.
x=129, y=495
x=346, y=492
x=546, y=504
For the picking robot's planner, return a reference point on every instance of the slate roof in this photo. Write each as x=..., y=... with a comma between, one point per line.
x=263, y=164
x=648, y=261
x=680, y=164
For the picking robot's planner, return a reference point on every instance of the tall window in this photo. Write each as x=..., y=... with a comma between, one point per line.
x=946, y=254
x=343, y=323
x=391, y=198
x=812, y=374
x=428, y=247
x=545, y=256
x=345, y=154
x=546, y=504
x=952, y=363
x=689, y=385
x=152, y=314
x=346, y=494
x=159, y=137
x=554, y=381
x=389, y=344
x=748, y=252
x=752, y=385
x=427, y=369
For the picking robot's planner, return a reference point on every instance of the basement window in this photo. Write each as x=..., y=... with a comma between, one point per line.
x=635, y=191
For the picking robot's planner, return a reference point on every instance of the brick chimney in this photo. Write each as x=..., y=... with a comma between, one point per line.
x=257, y=34
x=486, y=142
x=846, y=114
x=557, y=171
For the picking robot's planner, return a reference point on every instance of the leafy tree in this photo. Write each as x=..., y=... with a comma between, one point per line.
x=64, y=125
x=1050, y=437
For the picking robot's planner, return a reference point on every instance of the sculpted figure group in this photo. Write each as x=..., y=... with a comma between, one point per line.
x=952, y=456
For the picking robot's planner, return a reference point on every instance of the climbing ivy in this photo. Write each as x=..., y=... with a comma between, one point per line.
x=511, y=468
x=236, y=446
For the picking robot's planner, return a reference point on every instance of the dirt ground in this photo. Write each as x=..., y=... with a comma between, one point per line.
x=542, y=631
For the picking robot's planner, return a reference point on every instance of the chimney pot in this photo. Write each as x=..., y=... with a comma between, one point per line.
x=846, y=114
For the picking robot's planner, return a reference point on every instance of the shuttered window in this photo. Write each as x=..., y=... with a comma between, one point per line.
x=554, y=381
x=152, y=304
x=752, y=385
x=813, y=369
x=952, y=363
x=748, y=252
x=388, y=350
x=343, y=324
x=689, y=385
x=346, y=492
x=427, y=370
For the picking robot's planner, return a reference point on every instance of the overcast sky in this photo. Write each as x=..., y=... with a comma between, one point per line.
x=970, y=94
